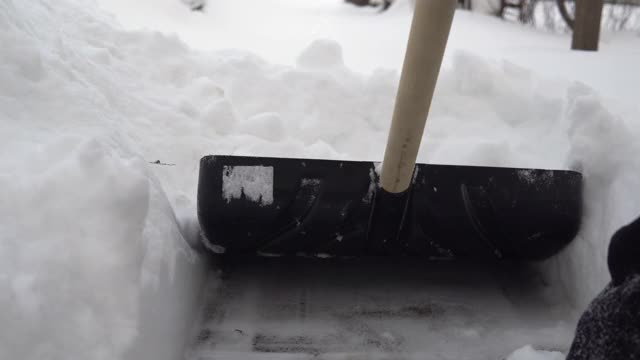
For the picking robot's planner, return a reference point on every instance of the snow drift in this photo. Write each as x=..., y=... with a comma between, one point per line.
x=94, y=231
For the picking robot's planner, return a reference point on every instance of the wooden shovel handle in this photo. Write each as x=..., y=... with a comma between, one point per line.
x=427, y=41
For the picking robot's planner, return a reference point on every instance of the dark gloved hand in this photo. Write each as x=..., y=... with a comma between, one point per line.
x=610, y=327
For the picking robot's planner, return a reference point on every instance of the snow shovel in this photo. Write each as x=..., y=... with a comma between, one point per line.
x=286, y=206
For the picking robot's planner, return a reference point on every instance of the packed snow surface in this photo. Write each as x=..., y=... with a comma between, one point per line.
x=293, y=308
x=95, y=261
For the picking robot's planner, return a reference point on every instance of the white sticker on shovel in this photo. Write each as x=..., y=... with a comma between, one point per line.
x=255, y=182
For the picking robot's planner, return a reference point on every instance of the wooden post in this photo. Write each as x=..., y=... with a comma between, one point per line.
x=586, y=27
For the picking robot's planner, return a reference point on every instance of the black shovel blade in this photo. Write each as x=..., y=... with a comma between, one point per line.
x=283, y=206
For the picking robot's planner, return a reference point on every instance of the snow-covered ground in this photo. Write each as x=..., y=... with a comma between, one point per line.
x=278, y=30
x=94, y=255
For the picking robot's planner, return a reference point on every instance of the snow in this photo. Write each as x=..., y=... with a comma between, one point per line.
x=268, y=126
x=92, y=256
x=279, y=30
x=529, y=353
x=321, y=54
x=95, y=261
x=372, y=308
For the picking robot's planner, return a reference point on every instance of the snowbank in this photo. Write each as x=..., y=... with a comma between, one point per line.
x=604, y=148
x=94, y=255
x=92, y=261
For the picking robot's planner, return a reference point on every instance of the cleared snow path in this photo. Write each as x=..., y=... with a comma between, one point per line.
x=303, y=308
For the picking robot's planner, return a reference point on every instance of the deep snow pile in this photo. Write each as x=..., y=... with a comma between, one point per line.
x=91, y=255
x=93, y=236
